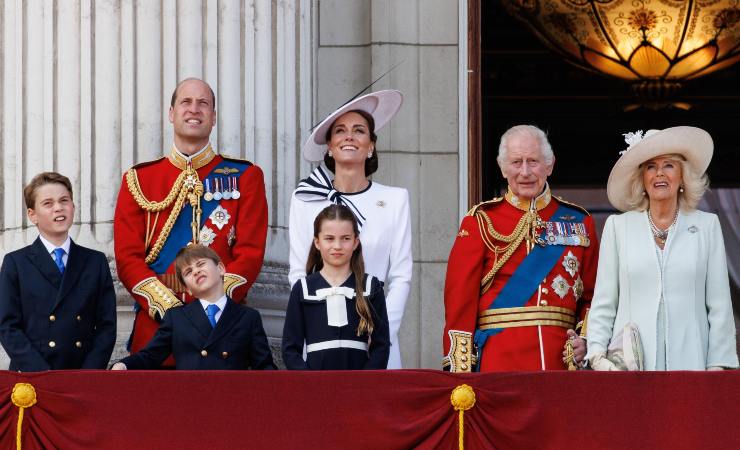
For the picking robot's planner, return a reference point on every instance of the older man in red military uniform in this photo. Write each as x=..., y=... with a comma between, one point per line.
x=191, y=195
x=522, y=270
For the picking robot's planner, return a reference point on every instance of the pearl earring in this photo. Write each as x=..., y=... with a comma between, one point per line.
x=643, y=193
x=330, y=154
x=680, y=189
x=369, y=155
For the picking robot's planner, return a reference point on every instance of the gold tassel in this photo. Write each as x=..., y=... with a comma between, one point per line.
x=23, y=396
x=462, y=399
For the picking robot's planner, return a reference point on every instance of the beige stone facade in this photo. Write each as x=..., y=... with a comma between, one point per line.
x=85, y=86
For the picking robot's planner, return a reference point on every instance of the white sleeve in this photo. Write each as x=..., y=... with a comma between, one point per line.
x=300, y=239
x=606, y=293
x=722, y=350
x=400, y=266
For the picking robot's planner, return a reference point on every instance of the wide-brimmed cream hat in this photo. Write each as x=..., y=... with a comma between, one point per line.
x=382, y=105
x=692, y=143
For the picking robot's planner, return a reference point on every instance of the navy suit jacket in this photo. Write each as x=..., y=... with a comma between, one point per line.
x=50, y=321
x=237, y=342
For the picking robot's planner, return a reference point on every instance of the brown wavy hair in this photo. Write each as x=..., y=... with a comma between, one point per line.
x=371, y=164
x=30, y=190
x=356, y=263
x=186, y=255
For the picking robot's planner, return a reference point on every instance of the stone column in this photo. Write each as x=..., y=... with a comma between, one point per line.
x=85, y=89
x=358, y=41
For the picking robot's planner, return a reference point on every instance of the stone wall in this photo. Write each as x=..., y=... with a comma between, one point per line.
x=358, y=41
x=85, y=88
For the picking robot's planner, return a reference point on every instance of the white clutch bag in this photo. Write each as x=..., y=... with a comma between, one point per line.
x=625, y=349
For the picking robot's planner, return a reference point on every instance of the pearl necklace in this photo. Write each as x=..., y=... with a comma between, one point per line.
x=661, y=235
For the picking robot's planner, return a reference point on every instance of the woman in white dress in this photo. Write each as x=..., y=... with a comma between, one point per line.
x=662, y=266
x=345, y=142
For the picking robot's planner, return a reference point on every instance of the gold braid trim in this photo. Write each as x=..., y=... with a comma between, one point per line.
x=187, y=186
x=158, y=296
x=231, y=282
x=525, y=229
x=166, y=228
x=461, y=357
x=132, y=181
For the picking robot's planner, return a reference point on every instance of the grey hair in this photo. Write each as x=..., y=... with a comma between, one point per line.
x=525, y=130
x=694, y=187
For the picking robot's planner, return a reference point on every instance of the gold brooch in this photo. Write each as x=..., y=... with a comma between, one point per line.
x=463, y=233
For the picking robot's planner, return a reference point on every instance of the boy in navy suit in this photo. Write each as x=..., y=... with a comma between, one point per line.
x=212, y=333
x=57, y=303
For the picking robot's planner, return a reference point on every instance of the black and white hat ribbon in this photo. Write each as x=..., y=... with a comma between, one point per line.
x=318, y=186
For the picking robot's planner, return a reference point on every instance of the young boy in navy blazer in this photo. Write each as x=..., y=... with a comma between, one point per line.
x=57, y=303
x=211, y=333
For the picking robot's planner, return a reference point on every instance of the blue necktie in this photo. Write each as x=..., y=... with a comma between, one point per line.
x=58, y=253
x=211, y=311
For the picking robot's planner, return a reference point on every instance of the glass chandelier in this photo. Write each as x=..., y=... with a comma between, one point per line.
x=654, y=43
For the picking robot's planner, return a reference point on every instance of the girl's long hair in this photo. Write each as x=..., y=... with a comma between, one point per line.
x=356, y=263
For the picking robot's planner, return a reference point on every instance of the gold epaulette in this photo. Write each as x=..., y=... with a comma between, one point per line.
x=474, y=209
x=573, y=205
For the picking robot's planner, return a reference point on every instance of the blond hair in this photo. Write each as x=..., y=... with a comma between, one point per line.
x=693, y=185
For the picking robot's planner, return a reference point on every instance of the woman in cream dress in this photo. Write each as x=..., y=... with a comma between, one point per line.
x=662, y=263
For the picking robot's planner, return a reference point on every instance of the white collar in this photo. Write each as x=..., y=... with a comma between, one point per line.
x=221, y=303
x=50, y=247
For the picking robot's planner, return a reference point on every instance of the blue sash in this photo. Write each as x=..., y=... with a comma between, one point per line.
x=181, y=232
x=530, y=273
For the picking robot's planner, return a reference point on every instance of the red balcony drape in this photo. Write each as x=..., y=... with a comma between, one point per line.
x=373, y=410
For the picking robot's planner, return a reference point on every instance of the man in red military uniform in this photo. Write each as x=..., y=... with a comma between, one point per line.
x=522, y=269
x=191, y=195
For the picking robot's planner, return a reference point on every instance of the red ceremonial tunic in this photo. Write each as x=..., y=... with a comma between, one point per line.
x=537, y=347
x=240, y=241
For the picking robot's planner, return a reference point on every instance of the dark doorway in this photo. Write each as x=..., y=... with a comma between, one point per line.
x=522, y=81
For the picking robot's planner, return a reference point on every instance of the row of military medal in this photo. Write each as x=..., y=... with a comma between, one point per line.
x=218, y=188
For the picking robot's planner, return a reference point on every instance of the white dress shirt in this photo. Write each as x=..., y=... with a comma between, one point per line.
x=194, y=155
x=221, y=303
x=51, y=247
